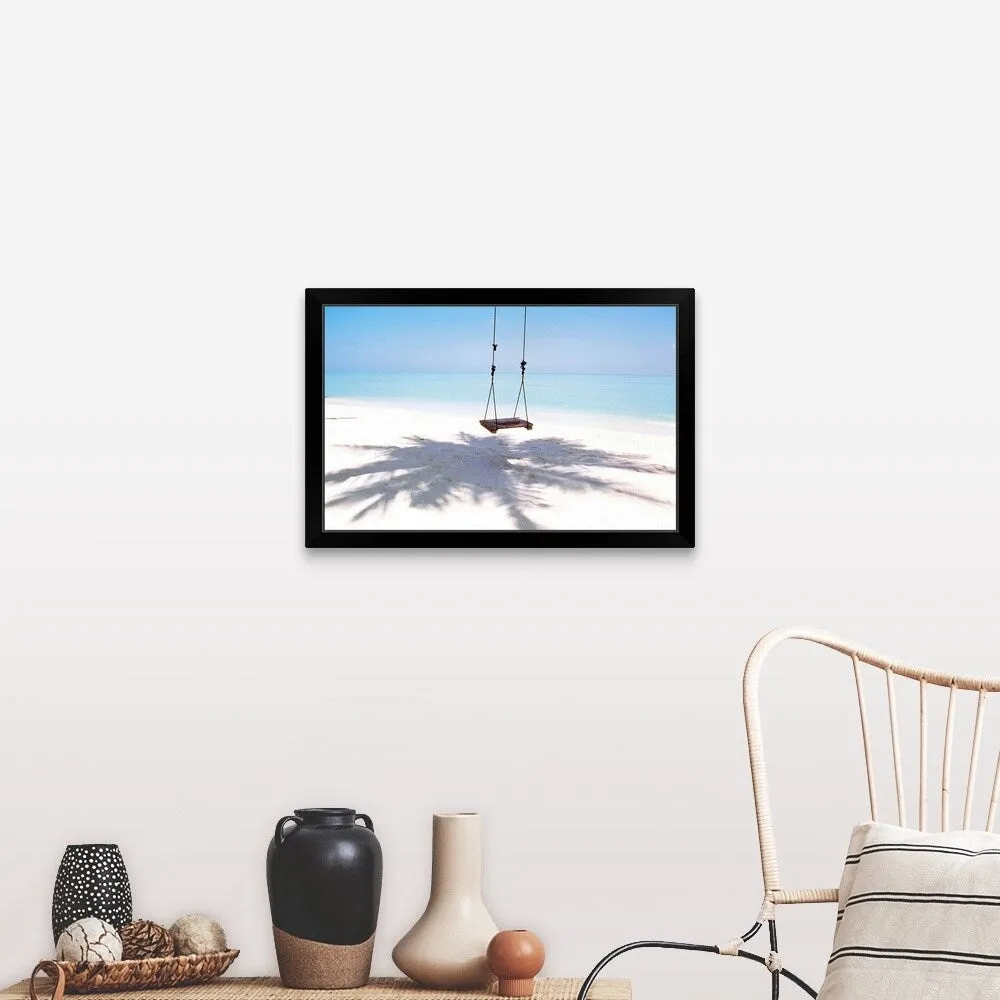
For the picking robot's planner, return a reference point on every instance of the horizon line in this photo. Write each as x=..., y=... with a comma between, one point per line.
x=602, y=374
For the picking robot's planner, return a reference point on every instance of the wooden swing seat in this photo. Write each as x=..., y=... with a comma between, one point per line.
x=506, y=424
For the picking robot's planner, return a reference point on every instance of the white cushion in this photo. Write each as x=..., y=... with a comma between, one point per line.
x=918, y=917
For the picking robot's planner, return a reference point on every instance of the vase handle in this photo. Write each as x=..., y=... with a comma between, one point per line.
x=55, y=973
x=367, y=820
x=279, y=829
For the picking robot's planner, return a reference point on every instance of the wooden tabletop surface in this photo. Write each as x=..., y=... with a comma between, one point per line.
x=267, y=988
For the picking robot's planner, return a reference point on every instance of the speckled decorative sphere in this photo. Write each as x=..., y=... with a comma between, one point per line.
x=144, y=939
x=197, y=934
x=89, y=940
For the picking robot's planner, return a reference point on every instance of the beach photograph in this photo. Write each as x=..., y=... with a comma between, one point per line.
x=499, y=418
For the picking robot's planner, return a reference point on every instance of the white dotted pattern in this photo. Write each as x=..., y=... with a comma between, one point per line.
x=92, y=882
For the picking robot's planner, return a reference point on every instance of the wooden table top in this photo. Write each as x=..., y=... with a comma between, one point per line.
x=267, y=988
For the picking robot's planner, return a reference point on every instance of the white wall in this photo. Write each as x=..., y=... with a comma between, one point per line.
x=179, y=672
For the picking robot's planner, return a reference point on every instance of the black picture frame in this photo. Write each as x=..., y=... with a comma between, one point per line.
x=316, y=536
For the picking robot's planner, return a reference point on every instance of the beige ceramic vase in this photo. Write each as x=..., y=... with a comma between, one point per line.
x=446, y=948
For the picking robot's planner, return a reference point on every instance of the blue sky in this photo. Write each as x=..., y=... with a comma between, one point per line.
x=589, y=340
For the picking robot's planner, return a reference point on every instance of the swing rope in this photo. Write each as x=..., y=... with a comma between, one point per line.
x=493, y=371
x=497, y=424
x=522, y=392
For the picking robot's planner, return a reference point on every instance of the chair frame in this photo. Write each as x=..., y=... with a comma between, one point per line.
x=775, y=893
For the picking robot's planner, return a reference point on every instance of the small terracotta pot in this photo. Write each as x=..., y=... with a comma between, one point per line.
x=515, y=958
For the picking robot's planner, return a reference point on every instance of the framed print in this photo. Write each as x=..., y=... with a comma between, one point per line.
x=489, y=417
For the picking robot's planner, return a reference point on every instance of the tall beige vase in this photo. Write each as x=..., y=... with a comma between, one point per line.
x=446, y=948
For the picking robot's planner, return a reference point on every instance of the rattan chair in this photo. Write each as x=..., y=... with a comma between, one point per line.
x=776, y=893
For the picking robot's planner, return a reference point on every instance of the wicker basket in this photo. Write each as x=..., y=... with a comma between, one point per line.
x=133, y=974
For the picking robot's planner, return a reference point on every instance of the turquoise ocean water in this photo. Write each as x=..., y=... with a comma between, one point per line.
x=650, y=397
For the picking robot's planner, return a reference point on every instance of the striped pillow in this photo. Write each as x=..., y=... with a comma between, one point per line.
x=918, y=917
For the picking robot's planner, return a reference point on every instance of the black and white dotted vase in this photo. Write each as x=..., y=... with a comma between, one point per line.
x=91, y=882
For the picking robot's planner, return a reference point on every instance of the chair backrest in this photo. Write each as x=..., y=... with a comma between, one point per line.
x=858, y=657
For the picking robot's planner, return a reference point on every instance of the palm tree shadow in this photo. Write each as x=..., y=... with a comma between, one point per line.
x=514, y=474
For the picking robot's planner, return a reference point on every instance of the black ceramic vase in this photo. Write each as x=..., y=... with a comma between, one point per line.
x=324, y=881
x=91, y=882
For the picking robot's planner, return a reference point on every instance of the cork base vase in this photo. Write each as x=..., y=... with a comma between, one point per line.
x=446, y=948
x=324, y=881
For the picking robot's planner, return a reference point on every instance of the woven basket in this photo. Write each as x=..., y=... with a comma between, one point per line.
x=133, y=974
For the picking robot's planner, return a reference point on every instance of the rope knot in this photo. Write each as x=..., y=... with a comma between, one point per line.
x=773, y=962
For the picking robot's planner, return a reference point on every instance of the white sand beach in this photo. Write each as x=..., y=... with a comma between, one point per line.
x=398, y=466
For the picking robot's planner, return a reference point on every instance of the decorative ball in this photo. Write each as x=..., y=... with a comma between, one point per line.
x=515, y=958
x=197, y=934
x=144, y=939
x=89, y=940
